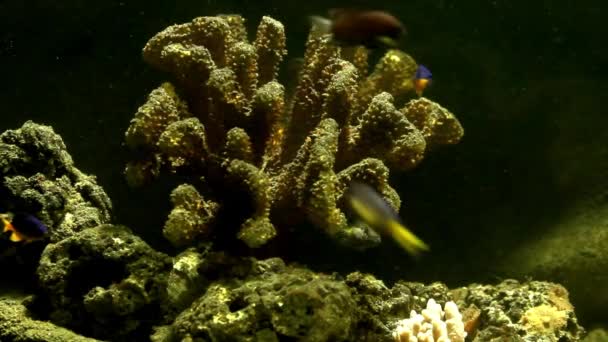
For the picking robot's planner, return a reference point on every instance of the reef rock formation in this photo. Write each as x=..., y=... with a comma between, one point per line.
x=509, y=311
x=530, y=311
x=103, y=282
x=39, y=177
x=246, y=299
x=264, y=301
x=265, y=161
x=17, y=325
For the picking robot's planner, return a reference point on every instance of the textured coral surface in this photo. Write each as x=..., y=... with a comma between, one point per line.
x=269, y=161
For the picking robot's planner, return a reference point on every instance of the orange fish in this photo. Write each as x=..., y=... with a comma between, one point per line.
x=23, y=227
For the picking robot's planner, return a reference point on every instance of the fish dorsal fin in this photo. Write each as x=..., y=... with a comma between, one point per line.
x=386, y=41
x=320, y=24
x=333, y=13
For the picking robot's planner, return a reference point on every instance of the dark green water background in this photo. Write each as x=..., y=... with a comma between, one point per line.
x=526, y=78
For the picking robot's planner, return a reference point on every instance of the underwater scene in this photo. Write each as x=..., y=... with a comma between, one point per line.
x=275, y=171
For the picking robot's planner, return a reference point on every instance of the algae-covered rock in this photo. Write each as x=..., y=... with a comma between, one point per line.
x=242, y=299
x=273, y=302
x=509, y=311
x=185, y=282
x=38, y=176
x=103, y=282
x=381, y=307
x=16, y=325
x=574, y=253
x=530, y=311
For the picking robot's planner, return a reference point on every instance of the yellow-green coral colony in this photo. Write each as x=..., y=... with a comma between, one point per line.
x=225, y=121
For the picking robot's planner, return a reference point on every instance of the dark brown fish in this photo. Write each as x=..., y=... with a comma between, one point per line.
x=358, y=27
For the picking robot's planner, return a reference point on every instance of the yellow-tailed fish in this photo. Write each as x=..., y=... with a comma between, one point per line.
x=371, y=208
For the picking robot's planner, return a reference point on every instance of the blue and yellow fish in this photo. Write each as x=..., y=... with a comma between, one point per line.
x=371, y=208
x=422, y=79
x=22, y=227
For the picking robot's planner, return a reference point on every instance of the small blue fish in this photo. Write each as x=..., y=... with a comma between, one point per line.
x=23, y=227
x=422, y=79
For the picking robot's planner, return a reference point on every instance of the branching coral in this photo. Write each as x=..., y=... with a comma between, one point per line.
x=433, y=324
x=274, y=161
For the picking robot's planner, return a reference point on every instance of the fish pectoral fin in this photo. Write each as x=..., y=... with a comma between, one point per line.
x=16, y=237
x=387, y=41
x=406, y=239
x=323, y=25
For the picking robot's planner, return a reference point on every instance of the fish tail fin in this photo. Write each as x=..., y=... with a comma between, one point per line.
x=387, y=42
x=7, y=226
x=406, y=239
x=321, y=24
x=16, y=237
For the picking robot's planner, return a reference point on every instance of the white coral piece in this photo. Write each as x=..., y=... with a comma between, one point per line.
x=432, y=325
